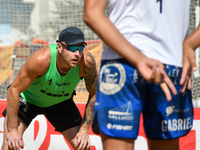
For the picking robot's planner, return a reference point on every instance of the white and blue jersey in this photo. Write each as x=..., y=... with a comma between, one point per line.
x=123, y=95
x=156, y=27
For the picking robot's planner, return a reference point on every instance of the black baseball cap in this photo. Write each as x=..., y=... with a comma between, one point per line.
x=72, y=36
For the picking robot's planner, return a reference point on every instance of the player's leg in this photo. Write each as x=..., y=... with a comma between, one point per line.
x=166, y=121
x=66, y=119
x=164, y=144
x=70, y=134
x=116, y=143
x=21, y=128
x=25, y=115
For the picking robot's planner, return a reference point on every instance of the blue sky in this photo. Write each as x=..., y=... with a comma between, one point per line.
x=5, y=33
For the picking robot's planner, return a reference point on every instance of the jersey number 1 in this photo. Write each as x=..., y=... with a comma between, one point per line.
x=160, y=5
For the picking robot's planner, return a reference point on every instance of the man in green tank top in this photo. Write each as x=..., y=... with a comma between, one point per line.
x=45, y=84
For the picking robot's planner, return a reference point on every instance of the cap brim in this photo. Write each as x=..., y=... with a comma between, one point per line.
x=73, y=43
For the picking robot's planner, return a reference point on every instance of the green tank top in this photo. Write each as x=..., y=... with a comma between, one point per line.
x=52, y=88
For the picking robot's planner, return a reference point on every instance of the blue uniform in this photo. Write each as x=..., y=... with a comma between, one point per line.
x=157, y=28
x=123, y=95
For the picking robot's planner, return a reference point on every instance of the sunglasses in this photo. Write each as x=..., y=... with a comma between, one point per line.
x=73, y=48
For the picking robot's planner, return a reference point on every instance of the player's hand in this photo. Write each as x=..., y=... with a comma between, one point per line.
x=82, y=141
x=153, y=71
x=189, y=65
x=15, y=141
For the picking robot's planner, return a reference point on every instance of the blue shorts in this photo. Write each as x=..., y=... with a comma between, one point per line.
x=123, y=95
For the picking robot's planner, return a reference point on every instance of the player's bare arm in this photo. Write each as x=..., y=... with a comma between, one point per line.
x=192, y=41
x=90, y=76
x=35, y=66
x=189, y=63
x=95, y=18
x=152, y=70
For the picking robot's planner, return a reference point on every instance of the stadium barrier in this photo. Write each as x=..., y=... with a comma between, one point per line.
x=41, y=135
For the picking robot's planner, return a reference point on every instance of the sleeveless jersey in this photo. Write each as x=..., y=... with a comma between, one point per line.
x=52, y=88
x=148, y=25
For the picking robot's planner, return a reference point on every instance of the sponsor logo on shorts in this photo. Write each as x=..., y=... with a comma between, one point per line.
x=112, y=78
x=76, y=120
x=171, y=109
x=135, y=76
x=176, y=124
x=173, y=72
x=22, y=100
x=23, y=104
x=123, y=112
x=96, y=103
x=119, y=127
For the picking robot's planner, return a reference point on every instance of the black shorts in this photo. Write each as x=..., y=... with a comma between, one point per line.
x=62, y=116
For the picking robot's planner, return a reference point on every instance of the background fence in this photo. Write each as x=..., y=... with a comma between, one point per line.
x=26, y=25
